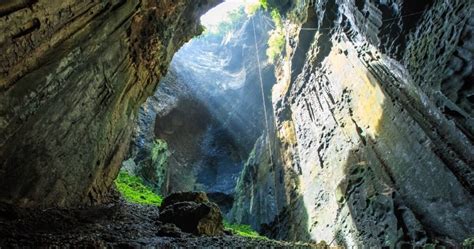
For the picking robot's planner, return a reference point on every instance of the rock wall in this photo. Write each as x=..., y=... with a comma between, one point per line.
x=374, y=123
x=224, y=75
x=73, y=74
x=209, y=110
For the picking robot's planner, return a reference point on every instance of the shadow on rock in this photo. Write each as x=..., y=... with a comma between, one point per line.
x=192, y=212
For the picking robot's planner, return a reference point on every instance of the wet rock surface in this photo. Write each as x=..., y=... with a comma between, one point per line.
x=117, y=225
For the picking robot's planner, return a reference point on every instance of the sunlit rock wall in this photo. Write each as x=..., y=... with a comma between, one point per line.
x=72, y=75
x=209, y=110
x=374, y=118
x=200, y=157
x=224, y=75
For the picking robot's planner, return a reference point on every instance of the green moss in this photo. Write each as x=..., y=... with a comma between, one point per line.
x=133, y=190
x=243, y=230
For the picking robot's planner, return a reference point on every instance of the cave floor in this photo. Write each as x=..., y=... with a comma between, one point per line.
x=117, y=225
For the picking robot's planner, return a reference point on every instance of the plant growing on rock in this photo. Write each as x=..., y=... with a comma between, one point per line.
x=251, y=7
x=159, y=152
x=276, y=41
x=133, y=190
x=468, y=243
x=233, y=21
x=243, y=230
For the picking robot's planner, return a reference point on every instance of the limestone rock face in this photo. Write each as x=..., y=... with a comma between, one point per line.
x=72, y=75
x=208, y=108
x=192, y=212
x=374, y=115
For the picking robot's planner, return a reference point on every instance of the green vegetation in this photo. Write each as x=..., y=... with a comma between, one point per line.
x=159, y=152
x=468, y=243
x=133, y=190
x=243, y=230
x=276, y=17
x=252, y=7
x=154, y=168
x=264, y=4
x=234, y=20
x=276, y=41
x=435, y=244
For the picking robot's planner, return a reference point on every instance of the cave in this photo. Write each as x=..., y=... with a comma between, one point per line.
x=236, y=123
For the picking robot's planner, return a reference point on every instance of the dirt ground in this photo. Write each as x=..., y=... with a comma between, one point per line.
x=115, y=225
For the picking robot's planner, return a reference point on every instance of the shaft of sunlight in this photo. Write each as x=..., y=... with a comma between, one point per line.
x=221, y=12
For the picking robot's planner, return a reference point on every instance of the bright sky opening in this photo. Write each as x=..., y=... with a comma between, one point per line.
x=221, y=12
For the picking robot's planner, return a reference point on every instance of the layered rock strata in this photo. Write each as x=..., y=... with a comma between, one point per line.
x=374, y=118
x=73, y=74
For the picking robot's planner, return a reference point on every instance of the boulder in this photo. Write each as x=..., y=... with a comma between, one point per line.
x=198, y=197
x=169, y=230
x=193, y=213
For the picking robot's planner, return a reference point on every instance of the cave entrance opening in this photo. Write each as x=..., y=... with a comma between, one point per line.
x=199, y=129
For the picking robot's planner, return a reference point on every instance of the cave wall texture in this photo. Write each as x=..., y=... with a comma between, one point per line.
x=73, y=74
x=208, y=108
x=373, y=109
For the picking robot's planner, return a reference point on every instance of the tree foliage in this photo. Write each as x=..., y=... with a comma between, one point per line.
x=234, y=20
x=276, y=41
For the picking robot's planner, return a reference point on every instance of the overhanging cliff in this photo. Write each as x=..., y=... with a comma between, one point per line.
x=73, y=74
